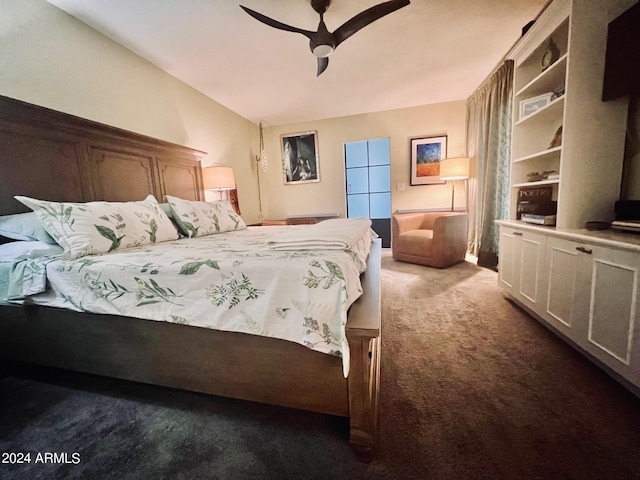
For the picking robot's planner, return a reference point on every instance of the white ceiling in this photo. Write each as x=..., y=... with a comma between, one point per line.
x=428, y=52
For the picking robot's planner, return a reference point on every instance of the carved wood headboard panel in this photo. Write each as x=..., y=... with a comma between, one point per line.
x=55, y=156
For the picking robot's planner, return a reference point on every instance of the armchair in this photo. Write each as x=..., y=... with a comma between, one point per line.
x=434, y=239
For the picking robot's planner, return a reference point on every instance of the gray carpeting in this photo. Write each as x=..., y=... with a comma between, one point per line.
x=472, y=388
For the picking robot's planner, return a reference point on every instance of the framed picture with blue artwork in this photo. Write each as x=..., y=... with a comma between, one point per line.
x=426, y=153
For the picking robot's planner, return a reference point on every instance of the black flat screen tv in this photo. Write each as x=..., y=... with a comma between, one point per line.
x=622, y=61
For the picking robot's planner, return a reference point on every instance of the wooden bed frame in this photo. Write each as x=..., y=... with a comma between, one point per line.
x=55, y=156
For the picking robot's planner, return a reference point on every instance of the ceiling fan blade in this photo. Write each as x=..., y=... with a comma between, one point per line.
x=323, y=63
x=276, y=24
x=366, y=17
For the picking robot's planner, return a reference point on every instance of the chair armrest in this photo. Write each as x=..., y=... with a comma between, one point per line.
x=449, y=228
x=404, y=222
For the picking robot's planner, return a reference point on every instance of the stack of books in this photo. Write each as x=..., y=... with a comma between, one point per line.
x=535, y=205
x=627, y=225
x=538, y=219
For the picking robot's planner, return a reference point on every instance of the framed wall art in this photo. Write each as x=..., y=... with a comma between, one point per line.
x=426, y=153
x=532, y=105
x=300, y=162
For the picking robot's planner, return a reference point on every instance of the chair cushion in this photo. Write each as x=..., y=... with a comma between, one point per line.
x=416, y=242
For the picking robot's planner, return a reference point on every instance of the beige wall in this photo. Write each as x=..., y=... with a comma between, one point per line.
x=328, y=196
x=51, y=59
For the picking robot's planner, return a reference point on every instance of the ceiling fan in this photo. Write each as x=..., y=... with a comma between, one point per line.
x=323, y=42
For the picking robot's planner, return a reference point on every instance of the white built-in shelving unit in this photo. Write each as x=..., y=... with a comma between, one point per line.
x=589, y=159
x=584, y=285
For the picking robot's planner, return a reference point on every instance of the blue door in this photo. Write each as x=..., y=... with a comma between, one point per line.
x=368, y=176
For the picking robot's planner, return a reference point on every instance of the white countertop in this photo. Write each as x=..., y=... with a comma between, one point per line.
x=610, y=238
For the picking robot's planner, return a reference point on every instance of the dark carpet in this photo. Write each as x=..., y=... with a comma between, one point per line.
x=472, y=388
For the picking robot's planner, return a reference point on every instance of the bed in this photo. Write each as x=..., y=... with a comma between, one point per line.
x=91, y=162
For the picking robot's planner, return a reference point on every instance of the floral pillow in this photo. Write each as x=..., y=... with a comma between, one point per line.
x=198, y=219
x=100, y=227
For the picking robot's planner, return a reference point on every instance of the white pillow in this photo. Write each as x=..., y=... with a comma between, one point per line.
x=100, y=227
x=14, y=251
x=197, y=219
x=24, y=226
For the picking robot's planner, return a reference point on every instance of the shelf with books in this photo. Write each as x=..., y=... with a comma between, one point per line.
x=568, y=136
x=539, y=169
x=535, y=200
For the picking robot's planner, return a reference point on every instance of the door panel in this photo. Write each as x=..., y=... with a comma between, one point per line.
x=357, y=181
x=358, y=206
x=563, y=272
x=380, y=179
x=612, y=310
x=356, y=154
x=380, y=205
x=531, y=264
x=368, y=176
x=379, y=151
x=122, y=175
x=508, y=257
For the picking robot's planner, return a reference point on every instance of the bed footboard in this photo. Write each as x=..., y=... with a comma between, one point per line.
x=363, y=333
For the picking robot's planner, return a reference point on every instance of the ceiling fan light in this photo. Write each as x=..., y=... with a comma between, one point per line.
x=322, y=51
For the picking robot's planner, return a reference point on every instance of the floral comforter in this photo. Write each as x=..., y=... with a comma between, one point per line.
x=229, y=281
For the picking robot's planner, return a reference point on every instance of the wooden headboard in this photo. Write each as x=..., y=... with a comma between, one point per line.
x=59, y=157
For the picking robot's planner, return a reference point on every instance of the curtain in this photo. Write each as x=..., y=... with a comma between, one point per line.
x=489, y=112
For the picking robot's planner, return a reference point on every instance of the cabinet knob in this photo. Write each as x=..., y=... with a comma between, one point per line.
x=517, y=234
x=588, y=251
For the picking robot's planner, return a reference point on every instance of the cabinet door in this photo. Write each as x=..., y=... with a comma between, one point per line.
x=613, y=311
x=509, y=242
x=531, y=263
x=593, y=299
x=568, y=287
x=521, y=267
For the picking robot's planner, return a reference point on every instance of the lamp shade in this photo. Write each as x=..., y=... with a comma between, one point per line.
x=454, y=168
x=218, y=177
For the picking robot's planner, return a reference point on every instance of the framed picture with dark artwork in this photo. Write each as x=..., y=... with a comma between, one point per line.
x=426, y=153
x=300, y=162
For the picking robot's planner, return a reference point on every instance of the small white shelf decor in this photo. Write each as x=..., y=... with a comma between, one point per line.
x=532, y=105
